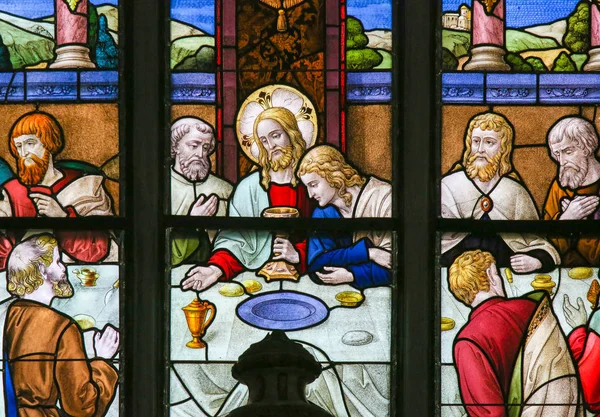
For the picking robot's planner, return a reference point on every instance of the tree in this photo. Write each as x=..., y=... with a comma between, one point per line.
x=107, y=54
x=355, y=34
x=577, y=35
x=449, y=61
x=361, y=59
x=564, y=63
x=517, y=63
x=92, y=30
x=5, y=64
x=537, y=64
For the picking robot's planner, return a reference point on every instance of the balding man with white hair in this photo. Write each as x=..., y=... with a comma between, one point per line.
x=573, y=195
x=194, y=190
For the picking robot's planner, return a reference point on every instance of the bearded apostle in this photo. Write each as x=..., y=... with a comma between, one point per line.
x=281, y=145
x=573, y=195
x=46, y=369
x=195, y=191
x=484, y=186
x=511, y=352
x=44, y=188
x=361, y=259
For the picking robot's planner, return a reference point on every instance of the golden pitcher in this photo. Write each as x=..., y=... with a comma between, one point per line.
x=196, y=316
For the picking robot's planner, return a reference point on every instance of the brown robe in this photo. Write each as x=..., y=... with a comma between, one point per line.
x=48, y=364
x=573, y=251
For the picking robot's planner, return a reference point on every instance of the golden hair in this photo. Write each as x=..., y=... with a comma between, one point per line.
x=497, y=123
x=44, y=126
x=23, y=271
x=468, y=275
x=329, y=163
x=289, y=124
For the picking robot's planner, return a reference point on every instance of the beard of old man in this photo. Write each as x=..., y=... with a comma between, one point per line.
x=195, y=168
x=572, y=175
x=31, y=169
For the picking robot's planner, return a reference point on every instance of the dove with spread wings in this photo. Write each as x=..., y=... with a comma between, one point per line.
x=282, y=6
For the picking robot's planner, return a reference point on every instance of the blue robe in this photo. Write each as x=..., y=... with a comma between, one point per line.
x=340, y=250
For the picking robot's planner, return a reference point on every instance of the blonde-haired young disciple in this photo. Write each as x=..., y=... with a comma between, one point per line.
x=360, y=259
x=485, y=186
x=511, y=354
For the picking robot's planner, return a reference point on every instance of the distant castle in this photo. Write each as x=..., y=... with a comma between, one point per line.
x=458, y=21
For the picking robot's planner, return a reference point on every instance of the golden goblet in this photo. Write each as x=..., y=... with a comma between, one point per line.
x=196, y=316
x=279, y=270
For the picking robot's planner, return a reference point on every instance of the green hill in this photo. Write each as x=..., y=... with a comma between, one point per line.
x=26, y=48
x=456, y=42
x=519, y=41
x=188, y=46
x=387, y=60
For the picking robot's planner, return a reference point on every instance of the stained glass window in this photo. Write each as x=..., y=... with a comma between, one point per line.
x=517, y=192
x=270, y=111
x=62, y=205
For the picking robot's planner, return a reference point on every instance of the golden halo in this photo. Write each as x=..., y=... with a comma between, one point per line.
x=275, y=95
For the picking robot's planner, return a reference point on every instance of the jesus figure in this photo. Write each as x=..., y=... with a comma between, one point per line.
x=281, y=145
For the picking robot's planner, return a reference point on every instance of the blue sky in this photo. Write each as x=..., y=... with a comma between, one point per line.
x=34, y=9
x=524, y=13
x=199, y=13
x=375, y=14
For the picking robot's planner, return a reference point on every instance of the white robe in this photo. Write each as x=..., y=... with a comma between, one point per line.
x=184, y=193
x=511, y=201
x=375, y=200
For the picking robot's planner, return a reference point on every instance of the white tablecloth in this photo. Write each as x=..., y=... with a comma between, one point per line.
x=365, y=387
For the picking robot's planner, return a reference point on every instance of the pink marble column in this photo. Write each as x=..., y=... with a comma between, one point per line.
x=71, y=35
x=593, y=63
x=487, y=49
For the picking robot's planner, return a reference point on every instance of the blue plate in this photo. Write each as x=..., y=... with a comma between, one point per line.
x=282, y=310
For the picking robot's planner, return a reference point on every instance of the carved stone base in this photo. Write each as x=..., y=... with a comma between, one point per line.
x=593, y=63
x=487, y=58
x=72, y=56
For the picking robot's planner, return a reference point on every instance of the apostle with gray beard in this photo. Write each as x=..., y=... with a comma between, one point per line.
x=573, y=195
x=195, y=191
x=485, y=186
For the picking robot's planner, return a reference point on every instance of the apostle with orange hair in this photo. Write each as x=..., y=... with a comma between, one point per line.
x=43, y=188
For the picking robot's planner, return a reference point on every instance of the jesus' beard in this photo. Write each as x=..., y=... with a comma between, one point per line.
x=62, y=288
x=572, y=176
x=486, y=172
x=281, y=162
x=34, y=172
x=195, y=168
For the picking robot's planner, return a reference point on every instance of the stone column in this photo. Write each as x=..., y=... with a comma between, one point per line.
x=593, y=63
x=71, y=34
x=487, y=40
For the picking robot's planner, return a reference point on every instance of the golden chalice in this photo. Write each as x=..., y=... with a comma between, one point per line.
x=196, y=316
x=277, y=270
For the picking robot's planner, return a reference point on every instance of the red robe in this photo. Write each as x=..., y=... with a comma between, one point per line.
x=585, y=346
x=83, y=246
x=279, y=196
x=485, y=352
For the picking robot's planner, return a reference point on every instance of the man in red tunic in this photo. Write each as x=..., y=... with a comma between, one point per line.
x=585, y=346
x=281, y=145
x=44, y=189
x=493, y=346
